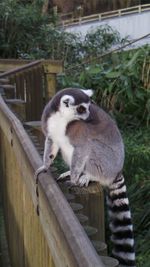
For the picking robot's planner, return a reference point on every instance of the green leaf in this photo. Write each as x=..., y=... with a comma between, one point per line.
x=134, y=58
x=113, y=74
x=94, y=70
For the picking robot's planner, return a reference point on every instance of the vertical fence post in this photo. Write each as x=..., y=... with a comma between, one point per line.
x=51, y=69
x=51, y=85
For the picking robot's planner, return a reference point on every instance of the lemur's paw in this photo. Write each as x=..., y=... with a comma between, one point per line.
x=63, y=175
x=83, y=180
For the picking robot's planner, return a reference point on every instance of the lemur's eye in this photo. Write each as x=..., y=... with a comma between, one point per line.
x=81, y=109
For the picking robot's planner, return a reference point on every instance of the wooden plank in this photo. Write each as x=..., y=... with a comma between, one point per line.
x=92, y=199
x=38, y=91
x=9, y=90
x=77, y=251
x=32, y=94
x=19, y=86
x=109, y=262
x=23, y=160
x=8, y=64
x=13, y=71
x=34, y=124
x=28, y=96
x=53, y=66
x=12, y=191
x=36, y=248
x=50, y=86
x=18, y=107
x=4, y=81
x=24, y=240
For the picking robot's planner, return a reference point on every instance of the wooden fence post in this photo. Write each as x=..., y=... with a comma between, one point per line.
x=51, y=69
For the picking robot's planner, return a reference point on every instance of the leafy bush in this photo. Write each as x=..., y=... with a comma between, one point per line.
x=137, y=174
x=137, y=153
x=100, y=40
x=121, y=85
x=20, y=27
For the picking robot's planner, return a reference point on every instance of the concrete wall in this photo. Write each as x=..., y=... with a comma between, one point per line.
x=133, y=26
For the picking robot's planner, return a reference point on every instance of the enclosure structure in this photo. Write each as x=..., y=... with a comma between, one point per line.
x=70, y=20
x=42, y=229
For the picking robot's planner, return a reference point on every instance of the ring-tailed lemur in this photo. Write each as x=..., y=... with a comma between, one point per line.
x=91, y=145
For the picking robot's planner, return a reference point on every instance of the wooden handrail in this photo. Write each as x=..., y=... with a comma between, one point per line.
x=105, y=15
x=20, y=69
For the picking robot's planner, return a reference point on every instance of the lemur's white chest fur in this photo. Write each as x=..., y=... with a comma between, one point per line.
x=56, y=126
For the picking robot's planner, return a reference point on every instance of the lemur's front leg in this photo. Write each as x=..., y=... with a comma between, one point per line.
x=50, y=152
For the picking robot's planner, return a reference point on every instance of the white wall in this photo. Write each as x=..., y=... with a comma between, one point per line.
x=134, y=26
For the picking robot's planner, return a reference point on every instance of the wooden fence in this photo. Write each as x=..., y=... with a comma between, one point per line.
x=30, y=83
x=42, y=229
x=102, y=16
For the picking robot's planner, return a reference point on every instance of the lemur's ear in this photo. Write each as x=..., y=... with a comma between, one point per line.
x=67, y=100
x=88, y=92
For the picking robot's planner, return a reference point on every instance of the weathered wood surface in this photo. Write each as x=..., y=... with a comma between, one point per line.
x=35, y=83
x=92, y=199
x=55, y=237
x=9, y=64
x=18, y=107
x=15, y=66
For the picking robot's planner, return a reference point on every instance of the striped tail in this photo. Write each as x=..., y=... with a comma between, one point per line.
x=120, y=223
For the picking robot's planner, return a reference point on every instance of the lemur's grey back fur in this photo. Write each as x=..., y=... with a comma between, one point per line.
x=97, y=154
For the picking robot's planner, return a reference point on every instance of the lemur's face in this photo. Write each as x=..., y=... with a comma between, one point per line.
x=73, y=109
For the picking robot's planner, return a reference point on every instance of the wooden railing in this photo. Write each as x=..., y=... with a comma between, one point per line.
x=103, y=16
x=42, y=229
x=33, y=82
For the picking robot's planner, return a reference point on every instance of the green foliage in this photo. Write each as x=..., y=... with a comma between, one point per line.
x=137, y=175
x=137, y=152
x=121, y=85
x=20, y=27
x=101, y=39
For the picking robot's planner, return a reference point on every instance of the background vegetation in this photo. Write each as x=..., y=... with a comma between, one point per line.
x=121, y=82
